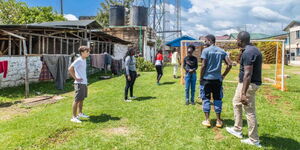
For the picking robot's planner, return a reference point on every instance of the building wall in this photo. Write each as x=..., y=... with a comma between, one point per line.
x=294, y=41
x=120, y=51
x=16, y=70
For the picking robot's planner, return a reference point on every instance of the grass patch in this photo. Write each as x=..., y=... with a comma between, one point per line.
x=158, y=119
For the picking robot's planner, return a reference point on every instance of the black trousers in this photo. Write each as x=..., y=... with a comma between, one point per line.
x=159, y=71
x=129, y=84
x=211, y=86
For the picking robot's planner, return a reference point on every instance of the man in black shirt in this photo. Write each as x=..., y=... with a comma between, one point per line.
x=249, y=82
x=190, y=65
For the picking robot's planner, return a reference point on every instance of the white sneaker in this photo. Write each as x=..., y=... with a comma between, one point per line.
x=82, y=115
x=248, y=141
x=133, y=97
x=127, y=100
x=75, y=119
x=235, y=133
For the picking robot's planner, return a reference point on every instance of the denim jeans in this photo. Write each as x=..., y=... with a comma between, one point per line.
x=190, y=85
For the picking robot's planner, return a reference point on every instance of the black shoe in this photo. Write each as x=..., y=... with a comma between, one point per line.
x=187, y=103
x=193, y=103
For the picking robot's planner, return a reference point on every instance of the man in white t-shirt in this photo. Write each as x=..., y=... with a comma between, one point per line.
x=175, y=62
x=78, y=72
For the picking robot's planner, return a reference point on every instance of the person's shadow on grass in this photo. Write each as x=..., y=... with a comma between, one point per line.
x=144, y=98
x=230, y=122
x=102, y=118
x=168, y=83
x=277, y=142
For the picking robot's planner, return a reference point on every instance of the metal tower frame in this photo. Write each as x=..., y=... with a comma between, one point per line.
x=160, y=19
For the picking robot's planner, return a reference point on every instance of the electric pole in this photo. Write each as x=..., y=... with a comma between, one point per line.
x=61, y=7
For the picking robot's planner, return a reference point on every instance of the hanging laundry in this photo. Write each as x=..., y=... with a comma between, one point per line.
x=116, y=66
x=98, y=60
x=4, y=68
x=58, y=66
x=108, y=59
x=45, y=74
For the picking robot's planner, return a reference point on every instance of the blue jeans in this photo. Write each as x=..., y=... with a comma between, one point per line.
x=190, y=83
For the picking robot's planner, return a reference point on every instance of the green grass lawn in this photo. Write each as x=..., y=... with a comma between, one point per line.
x=158, y=119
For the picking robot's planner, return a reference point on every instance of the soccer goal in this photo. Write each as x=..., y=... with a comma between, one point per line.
x=273, y=58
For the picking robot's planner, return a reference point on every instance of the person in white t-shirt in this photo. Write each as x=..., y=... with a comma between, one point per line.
x=78, y=71
x=175, y=61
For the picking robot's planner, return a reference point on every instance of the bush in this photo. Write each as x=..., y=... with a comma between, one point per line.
x=234, y=54
x=143, y=65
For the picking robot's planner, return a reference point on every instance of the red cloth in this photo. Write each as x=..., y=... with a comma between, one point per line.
x=45, y=73
x=159, y=57
x=4, y=67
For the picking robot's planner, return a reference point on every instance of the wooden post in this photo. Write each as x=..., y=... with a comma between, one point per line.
x=30, y=44
x=73, y=46
x=101, y=51
x=54, y=45
x=20, y=47
x=43, y=45
x=39, y=44
x=2, y=45
x=68, y=46
x=47, y=45
x=26, y=70
x=98, y=47
x=9, y=45
x=61, y=45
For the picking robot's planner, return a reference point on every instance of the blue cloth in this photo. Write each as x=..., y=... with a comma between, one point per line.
x=190, y=85
x=217, y=105
x=214, y=57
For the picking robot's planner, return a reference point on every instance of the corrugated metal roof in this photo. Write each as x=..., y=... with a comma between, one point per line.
x=33, y=26
x=290, y=25
x=90, y=24
x=176, y=42
x=253, y=36
x=110, y=37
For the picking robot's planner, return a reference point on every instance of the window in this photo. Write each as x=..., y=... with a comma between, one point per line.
x=298, y=52
x=298, y=34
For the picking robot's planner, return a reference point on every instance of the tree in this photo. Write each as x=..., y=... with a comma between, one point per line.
x=13, y=12
x=103, y=14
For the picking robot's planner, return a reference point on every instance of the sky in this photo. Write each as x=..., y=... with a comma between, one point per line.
x=201, y=17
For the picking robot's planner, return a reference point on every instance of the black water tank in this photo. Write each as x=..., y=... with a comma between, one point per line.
x=116, y=15
x=139, y=16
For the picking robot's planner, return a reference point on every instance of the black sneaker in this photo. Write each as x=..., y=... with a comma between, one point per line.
x=187, y=103
x=193, y=103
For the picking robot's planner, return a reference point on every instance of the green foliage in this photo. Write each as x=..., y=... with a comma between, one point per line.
x=103, y=13
x=234, y=53
x=14, y=12
x=143, y=65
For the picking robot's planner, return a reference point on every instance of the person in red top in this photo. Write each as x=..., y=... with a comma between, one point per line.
x=158, y=65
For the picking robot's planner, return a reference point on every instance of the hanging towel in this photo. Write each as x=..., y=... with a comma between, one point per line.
x=4, y=68
x=98, y=61
x=58, y=66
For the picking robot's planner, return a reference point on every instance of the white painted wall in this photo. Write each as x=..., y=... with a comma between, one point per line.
x=16, y=70
x=120, y=51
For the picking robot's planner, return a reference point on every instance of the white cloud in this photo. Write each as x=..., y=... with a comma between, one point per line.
x=223, y=24
x=202, y=28
x=221, y=17
x=267, y=14
x=70, y=17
